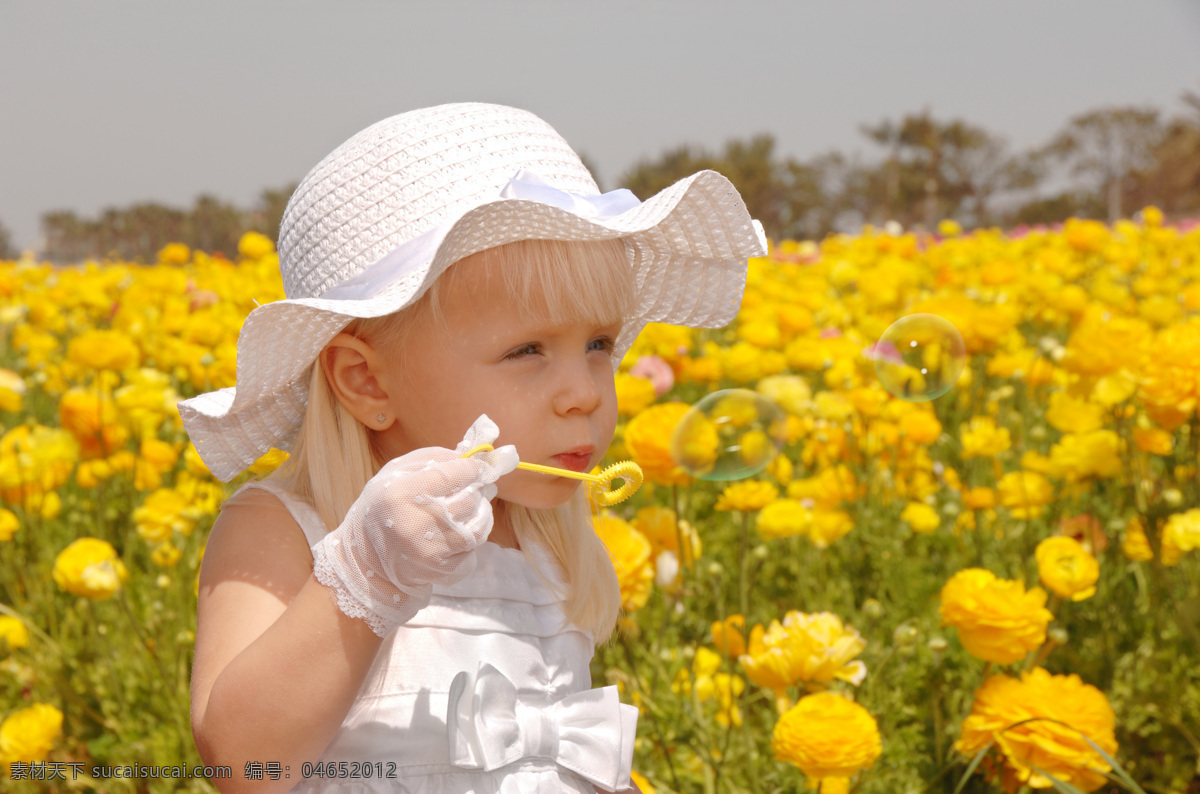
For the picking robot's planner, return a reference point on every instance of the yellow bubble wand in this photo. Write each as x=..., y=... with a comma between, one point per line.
x=627, y=471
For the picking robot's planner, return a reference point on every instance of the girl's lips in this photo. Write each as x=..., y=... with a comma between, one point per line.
x=574, y=462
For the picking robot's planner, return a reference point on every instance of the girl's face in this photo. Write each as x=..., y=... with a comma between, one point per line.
x=549, y=390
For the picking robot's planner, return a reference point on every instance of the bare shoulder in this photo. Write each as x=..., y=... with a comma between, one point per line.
x=255, y=562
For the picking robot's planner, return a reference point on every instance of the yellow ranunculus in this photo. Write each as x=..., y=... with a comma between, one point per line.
x=997, y=620
x=93, y=420
x=729, y=635
x=828, y=526
x=28, y=734
x=1181, y=534
x=165, y=555
x=813, y=648
x=103, y=349
x=1135, y=545
x=12, y=391
x=783, y=518
x=921, y=517
x=1081, y=455
x=657, y=524
x=1003, y=702
x=980, y=498
x=90, y=567
x=630, y=552
x=982, y=439
x=1071, y=415
x=634, y=394
x=1025, y=493
x=254, y=245
x=921, y=427
x=1067, y=568
x=9, y=524
x=789, y=392
x=827, y=735
x=1154, y=440
x=747, y=496
x=13, y=633
x=648, y=440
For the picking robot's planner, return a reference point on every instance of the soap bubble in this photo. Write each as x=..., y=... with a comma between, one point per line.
x=919, y=357
x=728, y=435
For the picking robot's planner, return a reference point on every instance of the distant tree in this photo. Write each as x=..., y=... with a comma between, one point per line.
x=1172, y=181
x=268, y=213
x=781, y=193
x=214, y=226
x=936, y=169
x=1105, y=147
x=1055, y=209
x=7, y=251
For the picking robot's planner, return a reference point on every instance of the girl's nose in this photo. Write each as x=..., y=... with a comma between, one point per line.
x=577, y=387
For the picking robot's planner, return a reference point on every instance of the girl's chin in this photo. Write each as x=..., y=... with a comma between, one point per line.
x=543, y=496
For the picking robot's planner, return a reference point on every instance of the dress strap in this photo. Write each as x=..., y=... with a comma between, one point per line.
x=303, y=512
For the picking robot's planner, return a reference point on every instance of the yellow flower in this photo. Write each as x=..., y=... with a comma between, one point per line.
x=1025, y=493
x=8, y=524
x=827, y=735
x=1003, y=702
x=657, y=523
x=28, y=734
x=630, y=553
x=921, y=427
x=12, y=391
x=828, y=526
x=13, y=633
x=634, y=394
x=1154, y=440
x=789, y=392
x=92, y=419
x=730, y=635
x=982, y=439
x=174, y=254
x=921, y=517
x=1067, y=568
x=997, y=620
x=813, y=648
x=165, y=555
x=783, y=518
x=35, y=460
x=1078, y=456
x=103, y=349
x=1134, y=544
x=1182, y=534
x=89, y=567
x=1071, y=415
x=640, y=781
x=980, y=498
x=708, y=684
x=268, y=462
x=747, y=496
x=648, y=440
x=254, y=245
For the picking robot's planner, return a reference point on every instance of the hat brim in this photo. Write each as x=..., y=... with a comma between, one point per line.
x=689, y=243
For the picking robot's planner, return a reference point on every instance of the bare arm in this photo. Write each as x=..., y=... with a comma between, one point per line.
x=277, y=664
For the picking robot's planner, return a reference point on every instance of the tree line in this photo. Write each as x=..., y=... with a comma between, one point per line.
x=1101, y=164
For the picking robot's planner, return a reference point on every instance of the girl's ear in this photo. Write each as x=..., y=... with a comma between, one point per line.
x=351, y=368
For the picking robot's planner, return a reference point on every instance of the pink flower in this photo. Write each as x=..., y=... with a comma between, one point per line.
x=657, y=371
x=830, y=333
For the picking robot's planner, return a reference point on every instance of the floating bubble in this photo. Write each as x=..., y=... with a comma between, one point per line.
x=728, y=435
x=919, y=357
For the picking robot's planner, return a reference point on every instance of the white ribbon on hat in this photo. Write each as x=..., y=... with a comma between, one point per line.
x=420, y=250
x=589, y=733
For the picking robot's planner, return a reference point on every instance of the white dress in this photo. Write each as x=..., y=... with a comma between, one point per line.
x=526, y=719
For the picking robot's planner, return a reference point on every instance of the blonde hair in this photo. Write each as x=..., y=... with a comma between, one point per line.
x=561, y=282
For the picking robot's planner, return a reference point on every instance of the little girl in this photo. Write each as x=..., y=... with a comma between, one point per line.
x=383, y=613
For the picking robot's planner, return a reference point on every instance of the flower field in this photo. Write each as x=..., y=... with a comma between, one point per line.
x=996, y=590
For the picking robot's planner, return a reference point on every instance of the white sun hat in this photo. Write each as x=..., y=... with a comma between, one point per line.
x=379, y=219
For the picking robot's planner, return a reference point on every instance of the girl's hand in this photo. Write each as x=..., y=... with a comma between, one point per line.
x=415, y=524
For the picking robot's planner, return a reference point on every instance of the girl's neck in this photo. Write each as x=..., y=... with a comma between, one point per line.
x=502, y=532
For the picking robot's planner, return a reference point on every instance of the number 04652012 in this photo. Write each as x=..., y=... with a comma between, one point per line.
x=349, y=769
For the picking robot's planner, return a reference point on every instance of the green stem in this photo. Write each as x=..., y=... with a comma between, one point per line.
x=743, y=577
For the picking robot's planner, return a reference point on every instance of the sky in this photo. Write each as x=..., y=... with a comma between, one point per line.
x=107, y=104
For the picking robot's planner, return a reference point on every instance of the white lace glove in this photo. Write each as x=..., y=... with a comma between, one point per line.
x=416, y=523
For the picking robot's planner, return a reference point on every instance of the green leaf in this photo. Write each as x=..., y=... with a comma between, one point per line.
x=1059, y=785
x=1120, y=772
x=971, y=766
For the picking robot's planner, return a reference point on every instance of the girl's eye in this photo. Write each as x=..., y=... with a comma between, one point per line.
x=605, y=343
